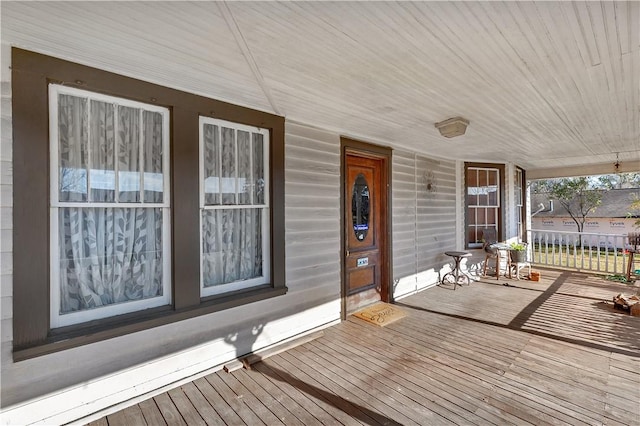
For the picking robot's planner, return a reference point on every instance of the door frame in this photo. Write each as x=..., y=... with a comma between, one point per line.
x=367, y=150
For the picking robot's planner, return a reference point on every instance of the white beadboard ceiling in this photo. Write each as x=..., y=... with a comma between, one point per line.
x=546, y=85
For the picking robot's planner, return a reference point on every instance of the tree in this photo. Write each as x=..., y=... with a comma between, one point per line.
x=580, y=196
x=619, y=181
x=635, y=210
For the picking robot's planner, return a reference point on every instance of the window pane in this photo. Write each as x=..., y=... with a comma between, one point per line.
x=483, y=197
x=228, y=166
x=258, y=169
x=153, y=177
x=472, y=198
x=211, y=146
x=482, y=177
x=109, y=256
x=492, y=200
x=492, y=216
x=471, y=216
x=472, y=177
x=244, y=167
x=128, y=154
x=72, y=137
x=231, y=245
x=102, y=135
x=471, y=235
x=493, y=177
x=481, y=216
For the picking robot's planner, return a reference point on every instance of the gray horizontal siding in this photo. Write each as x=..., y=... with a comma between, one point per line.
x=312, y=209
x=424, y=223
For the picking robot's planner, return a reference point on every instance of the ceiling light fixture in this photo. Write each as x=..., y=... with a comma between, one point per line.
x=453, y=127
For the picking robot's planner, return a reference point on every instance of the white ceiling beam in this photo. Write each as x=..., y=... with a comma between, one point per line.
x=585, y=170
x=246, y=52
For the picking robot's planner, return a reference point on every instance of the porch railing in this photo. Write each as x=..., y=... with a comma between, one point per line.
x=605, y=253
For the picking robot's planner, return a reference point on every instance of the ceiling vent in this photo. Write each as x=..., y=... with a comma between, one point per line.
x=452, y=127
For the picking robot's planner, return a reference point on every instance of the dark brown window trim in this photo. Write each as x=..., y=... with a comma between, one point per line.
x=31, y=74
x=501, y=225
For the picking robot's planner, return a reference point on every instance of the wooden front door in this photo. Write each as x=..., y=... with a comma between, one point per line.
x=365, y=230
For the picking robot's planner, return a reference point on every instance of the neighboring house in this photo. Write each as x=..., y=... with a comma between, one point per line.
x=613, y=216
x=184, y=183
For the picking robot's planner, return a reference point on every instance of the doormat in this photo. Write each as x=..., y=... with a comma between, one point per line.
x=380, y=314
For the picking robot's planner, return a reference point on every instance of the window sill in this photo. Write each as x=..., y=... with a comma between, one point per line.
x=96, y=331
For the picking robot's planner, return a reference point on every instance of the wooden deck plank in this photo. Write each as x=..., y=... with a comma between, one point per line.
x=596, y=386
x=485, y=354
x=297, y=395
x=168, y=409
x=279, y=407
x=520, y=398
x=323, y=393
x=349, y=385
x=134, y=416
x=237, y=404
x=247, y=396
x=151, y=412
x=433, y=408
x=425, y=379
x=464, y=347
x=470, y=382
x=200, y=403
x=189, y=413
x=224, y=410
x=102, y=421
x=117, y=418
x=386, y=383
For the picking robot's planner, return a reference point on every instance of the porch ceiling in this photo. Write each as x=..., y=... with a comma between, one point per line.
x=544, y=85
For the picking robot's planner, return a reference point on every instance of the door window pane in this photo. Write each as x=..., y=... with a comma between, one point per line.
x=360, y=207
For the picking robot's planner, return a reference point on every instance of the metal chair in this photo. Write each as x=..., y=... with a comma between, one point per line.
x=492, y=252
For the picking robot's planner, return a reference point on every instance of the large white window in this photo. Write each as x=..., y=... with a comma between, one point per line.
x=234, y=203
x=110, y=224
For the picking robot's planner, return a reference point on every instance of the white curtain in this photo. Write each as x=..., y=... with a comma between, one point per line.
x=234, y=176
x=108, y=254
x=231, y=245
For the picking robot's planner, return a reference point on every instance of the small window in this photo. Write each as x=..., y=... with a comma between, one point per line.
x=109, y=211
x=234, y=203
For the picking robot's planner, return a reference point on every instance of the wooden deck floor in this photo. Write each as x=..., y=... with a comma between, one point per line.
x=539, y=353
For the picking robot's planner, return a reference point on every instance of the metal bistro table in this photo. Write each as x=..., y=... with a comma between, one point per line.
x=456, y=274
